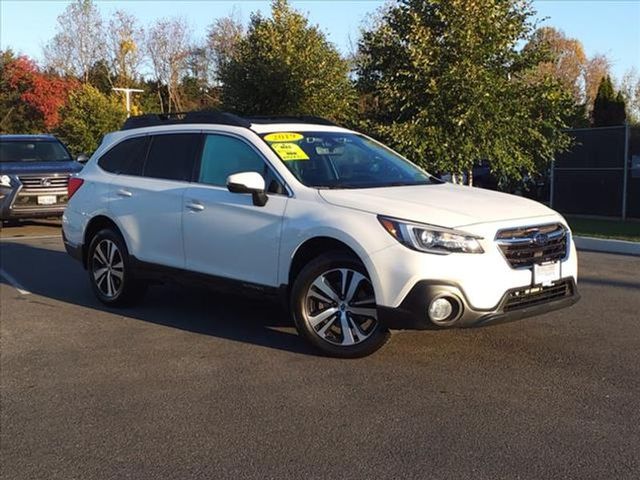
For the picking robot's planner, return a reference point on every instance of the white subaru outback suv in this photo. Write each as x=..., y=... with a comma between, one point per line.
x=357, y=239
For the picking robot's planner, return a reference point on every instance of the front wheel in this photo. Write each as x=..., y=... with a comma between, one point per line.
x=334, y=307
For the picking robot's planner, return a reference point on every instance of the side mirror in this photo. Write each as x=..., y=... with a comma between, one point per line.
x=82, y=158
x=248, y=182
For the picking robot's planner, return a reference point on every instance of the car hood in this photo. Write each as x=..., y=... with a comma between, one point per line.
x=446, y=204
x=27, y=168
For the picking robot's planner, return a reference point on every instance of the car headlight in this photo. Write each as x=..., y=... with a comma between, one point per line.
x=5, y=180
x=431, y=239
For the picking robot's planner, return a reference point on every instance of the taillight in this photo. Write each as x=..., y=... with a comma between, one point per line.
x=74, y=184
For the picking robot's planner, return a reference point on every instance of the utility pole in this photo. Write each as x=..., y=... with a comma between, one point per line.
x=127, y=93
x=625, y=178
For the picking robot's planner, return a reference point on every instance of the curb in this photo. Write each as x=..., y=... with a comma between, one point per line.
x=609, y=246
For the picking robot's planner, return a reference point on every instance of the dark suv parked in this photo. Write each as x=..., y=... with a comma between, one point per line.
x=34, y=172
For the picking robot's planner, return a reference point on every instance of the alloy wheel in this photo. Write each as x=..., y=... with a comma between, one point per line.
x=340, y=307
x=108, y=268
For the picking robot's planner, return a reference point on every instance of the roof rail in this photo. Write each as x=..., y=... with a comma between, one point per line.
x=216, y=117
x=292, y=119
x=203, y=116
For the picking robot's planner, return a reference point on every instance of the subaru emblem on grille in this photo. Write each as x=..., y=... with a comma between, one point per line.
x=540, y=239
x=45, y=182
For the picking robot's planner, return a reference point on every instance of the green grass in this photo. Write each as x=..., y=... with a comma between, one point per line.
x=605, y=228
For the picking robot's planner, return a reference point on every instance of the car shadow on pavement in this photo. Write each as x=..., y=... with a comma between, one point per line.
x=53, y=274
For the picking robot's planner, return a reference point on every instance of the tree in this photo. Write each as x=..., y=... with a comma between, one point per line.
x=285, y=66
x=89, y=115
x=197, y=91
x=16, y=116
x=565, y=60
x=596, y=69
x=447, y=85
x=79, y=42
x=609, y=106
x=124, y=39
x=168, y=46
x=100, y=77
x=43, y=94
x=223, y=38
x=630, y=89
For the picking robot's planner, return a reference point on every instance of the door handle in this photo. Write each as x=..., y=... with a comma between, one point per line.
x=195, y=206
x=124, y=193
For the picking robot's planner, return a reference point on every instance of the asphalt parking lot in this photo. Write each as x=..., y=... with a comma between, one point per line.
x=196, y=385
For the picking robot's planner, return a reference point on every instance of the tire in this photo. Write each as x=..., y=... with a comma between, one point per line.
x=9, y=223
x=110, y=273
x=333, y=306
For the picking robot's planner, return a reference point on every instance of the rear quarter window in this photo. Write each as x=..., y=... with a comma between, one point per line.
x=126, y=158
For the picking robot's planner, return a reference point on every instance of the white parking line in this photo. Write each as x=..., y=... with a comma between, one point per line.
x=31, y=237
x=35, y=237
x=14, y=283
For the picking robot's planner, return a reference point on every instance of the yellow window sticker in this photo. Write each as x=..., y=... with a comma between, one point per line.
x=289, y=151
x=283, y=137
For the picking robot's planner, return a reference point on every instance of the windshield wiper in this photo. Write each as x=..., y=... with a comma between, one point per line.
x=405, y=184
x=335, y=186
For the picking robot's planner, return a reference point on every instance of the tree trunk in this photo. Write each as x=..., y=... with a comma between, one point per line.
x=4, y=119
x=470, y=177
x=160, y=98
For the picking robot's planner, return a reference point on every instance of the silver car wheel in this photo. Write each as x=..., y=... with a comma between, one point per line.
x=340, y=307
x=108, y=268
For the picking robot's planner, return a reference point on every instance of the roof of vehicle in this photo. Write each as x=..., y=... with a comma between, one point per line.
x=32, y=137
x=295, y=127
x=259, y=124
x=258, y=128
x=112, y=138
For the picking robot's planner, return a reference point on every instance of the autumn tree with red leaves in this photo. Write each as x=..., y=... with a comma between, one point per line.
x=43, y=92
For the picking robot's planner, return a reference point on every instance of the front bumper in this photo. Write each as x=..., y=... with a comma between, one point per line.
x=17, y=203
x=516, y=303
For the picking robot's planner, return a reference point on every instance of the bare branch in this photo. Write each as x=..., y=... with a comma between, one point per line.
x=79, y=42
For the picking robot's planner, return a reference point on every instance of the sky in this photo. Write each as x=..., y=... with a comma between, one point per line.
x=610, y=27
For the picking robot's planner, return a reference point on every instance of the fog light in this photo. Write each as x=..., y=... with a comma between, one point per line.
x=440, y=309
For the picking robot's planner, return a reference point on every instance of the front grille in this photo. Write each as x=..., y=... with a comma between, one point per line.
x=522, y=247
x=44, y=182
x=529, y=297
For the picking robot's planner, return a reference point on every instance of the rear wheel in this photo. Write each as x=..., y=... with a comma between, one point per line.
x=110, y=272
x=9, y=223
x=334, y=307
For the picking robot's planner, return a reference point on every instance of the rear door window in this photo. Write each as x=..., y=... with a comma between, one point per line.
x=126, y=158
x=173, y=156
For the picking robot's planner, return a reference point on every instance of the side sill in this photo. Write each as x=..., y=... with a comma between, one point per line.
x=163, y=274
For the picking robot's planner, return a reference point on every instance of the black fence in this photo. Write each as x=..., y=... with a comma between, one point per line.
x=600, y=175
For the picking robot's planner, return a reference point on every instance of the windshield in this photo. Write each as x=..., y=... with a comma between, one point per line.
x=33, y=151
x=342, y=160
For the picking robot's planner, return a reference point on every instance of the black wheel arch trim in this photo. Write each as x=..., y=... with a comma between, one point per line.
x=75, y=251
